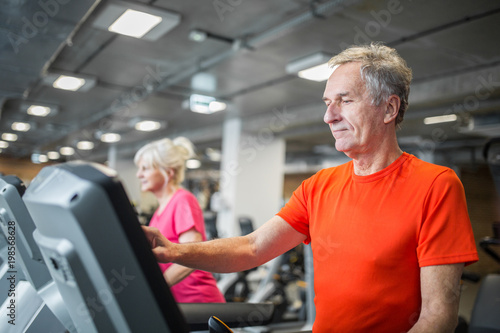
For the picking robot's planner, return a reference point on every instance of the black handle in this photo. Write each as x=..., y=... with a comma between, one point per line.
x=215, y=325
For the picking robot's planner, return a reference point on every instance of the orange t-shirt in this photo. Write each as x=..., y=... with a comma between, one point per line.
x=371, y=234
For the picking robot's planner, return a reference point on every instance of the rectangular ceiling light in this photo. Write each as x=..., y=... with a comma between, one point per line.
x=136, y=20
x=313, y=67
x=69, y=81
x=318, y=73
x=134, y=23
x=205, y=104
x=38, y=110
x=440, y=119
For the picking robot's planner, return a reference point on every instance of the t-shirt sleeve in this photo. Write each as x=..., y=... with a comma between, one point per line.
x=445, y=235
x=188, y=214
x=295, y=212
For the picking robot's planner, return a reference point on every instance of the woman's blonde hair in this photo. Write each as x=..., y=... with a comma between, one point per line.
x=167, y=154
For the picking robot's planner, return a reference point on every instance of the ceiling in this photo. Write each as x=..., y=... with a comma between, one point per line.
x=451, y=45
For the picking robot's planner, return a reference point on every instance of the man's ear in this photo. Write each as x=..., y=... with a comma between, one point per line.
x=392, y=108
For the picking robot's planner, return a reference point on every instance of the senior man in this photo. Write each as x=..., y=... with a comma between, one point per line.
x=390, y=234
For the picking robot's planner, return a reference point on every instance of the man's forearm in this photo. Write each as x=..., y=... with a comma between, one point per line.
x=226, y=255
x=219, y=256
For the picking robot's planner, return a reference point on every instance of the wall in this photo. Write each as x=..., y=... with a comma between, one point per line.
x=482, y=203
x=22, y=168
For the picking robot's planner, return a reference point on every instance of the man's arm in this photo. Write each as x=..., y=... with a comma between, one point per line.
x=176, y=273
x=440, y=289
x=226, y=255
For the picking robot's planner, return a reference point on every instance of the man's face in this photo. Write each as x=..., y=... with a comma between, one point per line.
x=356, y=124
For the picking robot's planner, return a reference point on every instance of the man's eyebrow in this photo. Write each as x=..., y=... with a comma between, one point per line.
x=340, y=94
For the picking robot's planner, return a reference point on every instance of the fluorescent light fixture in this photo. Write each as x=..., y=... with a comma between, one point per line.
x=35, y=158
x=203, y=81
x=9, y=137
x=3, y=144
x=313, y=67
x=318, y=73
x=136, y=20
x=147, y=125
x=197, y=35
x=38, y=110
x=85, y=145
x=53, y=155
x=200, y=103
x=205, y=104
x=193, y=164
x=134, y=23
x=110, y=137
x=42, y=158
x=71, y=83
x=440, y=119
x=20, y=126
x=214, y=155
x=67, y=151
x=216, y=106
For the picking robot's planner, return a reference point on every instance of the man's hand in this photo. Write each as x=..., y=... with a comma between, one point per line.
x=160, y=245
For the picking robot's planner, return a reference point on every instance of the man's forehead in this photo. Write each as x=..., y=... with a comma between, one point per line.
x=344, y=80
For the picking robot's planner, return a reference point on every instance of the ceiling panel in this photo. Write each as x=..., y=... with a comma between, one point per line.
x=450, y=45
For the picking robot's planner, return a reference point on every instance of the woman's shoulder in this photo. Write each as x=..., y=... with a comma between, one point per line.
x=184, y=194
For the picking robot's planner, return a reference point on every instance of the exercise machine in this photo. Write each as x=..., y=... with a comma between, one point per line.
x=102, y=263
x=32, y=302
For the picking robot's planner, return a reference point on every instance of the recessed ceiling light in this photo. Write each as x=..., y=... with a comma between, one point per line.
x=134, y=23
x=20, y=126
x=4, y=144
x=38, y=110
x=197, y=35
x=205, y=104
x=53, y=155
x=136, y=19
x=67, y=151
x=214, y=154
x=317, y=73
x=42, y=158
x=440, y=119
x=71, y=83
x=9, y=137
x=313, y=67
x=217, y=106
x=193, y=164
x=147, y=125
x=85, y=145
x=110, y=137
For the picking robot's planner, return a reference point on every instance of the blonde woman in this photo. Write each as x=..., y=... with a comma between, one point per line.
x=161, y=168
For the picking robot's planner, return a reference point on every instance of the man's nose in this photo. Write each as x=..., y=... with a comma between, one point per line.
x=332, y=114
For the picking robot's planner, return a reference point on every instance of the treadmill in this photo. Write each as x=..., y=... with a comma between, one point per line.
x=102, y=263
